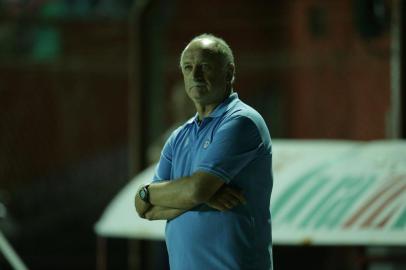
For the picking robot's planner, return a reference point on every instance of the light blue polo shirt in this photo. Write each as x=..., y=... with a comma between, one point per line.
x=233, y=143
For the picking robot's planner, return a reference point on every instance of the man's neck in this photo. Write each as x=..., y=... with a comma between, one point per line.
x=205, y=110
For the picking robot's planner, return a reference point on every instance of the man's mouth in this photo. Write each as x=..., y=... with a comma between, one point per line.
x=199, y=85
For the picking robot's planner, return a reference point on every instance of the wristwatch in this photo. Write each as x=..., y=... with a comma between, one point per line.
x=144, y=193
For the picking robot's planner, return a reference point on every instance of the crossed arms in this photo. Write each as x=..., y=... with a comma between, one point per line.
x=169, y=199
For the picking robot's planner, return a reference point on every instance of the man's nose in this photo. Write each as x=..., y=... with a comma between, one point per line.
x=197, y=72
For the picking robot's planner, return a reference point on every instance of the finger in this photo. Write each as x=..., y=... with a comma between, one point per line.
x=227, y=196
x=224, y=199
x=220, y=203
x=236, y=193
x=228, y=204
x=217, y=206
x=231, y=199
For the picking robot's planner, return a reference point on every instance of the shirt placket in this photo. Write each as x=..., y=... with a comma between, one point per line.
x=193, y=147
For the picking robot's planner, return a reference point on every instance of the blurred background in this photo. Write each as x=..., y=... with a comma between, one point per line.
x=89, y=88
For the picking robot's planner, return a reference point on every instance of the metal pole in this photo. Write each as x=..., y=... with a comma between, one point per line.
x=402, y=8
x=136, y=119
x=395, y=117
x=101, y=256
x=10, y=255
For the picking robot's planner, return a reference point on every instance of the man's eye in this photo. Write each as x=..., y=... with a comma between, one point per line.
x=206, y=67
x=187, y=67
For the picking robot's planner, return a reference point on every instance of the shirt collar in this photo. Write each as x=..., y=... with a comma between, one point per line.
x=223, y=107
x=219, y=110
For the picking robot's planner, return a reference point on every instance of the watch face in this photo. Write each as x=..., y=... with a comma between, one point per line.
x=142, y=194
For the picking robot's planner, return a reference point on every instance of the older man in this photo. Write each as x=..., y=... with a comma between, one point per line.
x=214, y=179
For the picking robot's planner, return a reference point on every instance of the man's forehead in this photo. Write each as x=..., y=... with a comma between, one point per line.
x=201, y=48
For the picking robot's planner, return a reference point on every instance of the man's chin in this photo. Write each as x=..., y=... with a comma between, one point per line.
x=201, y=99
x=198, y=98
x=199, y=90
x=198, y=94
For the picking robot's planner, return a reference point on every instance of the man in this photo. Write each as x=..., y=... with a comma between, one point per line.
x=214, y=179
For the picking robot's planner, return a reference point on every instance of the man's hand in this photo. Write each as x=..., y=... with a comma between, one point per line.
x=141, y=206
x=226, y=198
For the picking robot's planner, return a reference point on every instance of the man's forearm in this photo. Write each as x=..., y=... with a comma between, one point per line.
x=172, y=194
x=186, y=192
x=163, y=213
x=151, y=212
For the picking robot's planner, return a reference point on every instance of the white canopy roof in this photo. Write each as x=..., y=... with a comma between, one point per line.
x=325, y=192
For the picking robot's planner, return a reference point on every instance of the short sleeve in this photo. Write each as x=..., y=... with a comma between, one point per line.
x=236, y=143
x=164, y=166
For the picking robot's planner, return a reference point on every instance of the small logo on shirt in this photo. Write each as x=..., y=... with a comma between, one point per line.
x=206, y=144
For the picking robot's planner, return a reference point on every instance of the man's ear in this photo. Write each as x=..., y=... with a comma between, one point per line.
x=230, y=72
